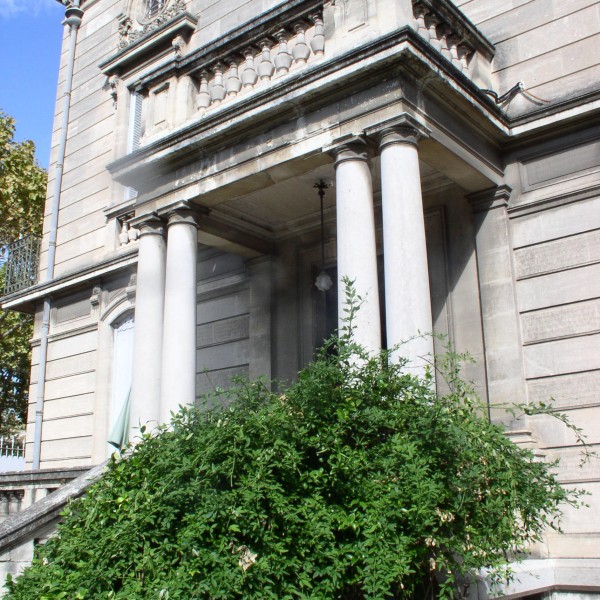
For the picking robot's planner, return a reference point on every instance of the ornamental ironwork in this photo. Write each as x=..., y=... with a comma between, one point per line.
x=22, y=264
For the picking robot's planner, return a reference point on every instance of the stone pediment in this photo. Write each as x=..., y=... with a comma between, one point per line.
x=137, y=44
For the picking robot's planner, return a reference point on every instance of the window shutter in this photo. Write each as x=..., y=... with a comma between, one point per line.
x=135, y=122
x=135, y=133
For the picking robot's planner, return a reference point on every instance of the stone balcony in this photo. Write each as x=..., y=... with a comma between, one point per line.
x=261, y=55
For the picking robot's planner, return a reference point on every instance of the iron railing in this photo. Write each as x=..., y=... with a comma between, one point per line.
x=22, y=264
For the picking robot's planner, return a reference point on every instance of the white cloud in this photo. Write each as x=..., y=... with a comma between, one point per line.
x=13, y=8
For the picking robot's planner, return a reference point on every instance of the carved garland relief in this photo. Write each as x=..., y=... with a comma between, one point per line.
x=143, y=16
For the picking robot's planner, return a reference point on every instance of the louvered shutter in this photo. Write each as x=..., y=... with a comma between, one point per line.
x=135, y=132
x=135, y=122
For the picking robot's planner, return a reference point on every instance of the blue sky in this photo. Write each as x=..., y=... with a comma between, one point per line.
x=30, y=40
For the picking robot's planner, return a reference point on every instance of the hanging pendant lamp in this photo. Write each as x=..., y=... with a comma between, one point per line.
x=323, y=281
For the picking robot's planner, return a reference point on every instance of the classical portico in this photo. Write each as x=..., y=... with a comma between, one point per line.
x=227, y=142
x=167, y=360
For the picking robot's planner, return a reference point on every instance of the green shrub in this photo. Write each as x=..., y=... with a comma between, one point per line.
x=357, y=482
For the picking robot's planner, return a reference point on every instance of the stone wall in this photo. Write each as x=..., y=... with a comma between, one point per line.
x=549, y=45
x=555, y=220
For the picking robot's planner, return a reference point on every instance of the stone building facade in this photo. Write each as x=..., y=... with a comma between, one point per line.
x=457, y=144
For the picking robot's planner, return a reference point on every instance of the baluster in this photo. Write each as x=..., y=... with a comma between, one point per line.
x=301, y=51
x=218, y=92
x=134, y=233
x=233, y=84
x=318, y=41
x=249, y=75
x=420, y=11
x=445, y=31
x=432, y=22
x=283, y=58
x=265, y=66
x=124, y=235
x=203, y=97
x=464, y=55
x=13, y=503
x=3, y=506
x=453, y=42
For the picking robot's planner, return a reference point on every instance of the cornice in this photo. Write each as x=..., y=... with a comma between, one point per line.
x=26, y=300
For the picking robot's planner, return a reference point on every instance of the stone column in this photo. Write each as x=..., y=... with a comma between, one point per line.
x=407, y=295
x=499, y=314
x=149, y=306
x=179, y=345
x=356, y=248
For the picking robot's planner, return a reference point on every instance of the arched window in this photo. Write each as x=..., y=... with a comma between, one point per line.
x=153, y=7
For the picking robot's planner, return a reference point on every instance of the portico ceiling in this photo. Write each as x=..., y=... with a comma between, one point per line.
x=293, y=203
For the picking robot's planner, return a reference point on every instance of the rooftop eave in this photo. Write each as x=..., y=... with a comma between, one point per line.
x=402, y=46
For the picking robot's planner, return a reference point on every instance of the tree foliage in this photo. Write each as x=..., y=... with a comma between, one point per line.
x=22, y=186
x=15, y=357
x=22, y=195
x=357, y=482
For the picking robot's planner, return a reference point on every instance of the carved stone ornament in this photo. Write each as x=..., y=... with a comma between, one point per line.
x=95, y=297
x=144, y=16
x=131, y=285
x=178, y=44
x=113, y=82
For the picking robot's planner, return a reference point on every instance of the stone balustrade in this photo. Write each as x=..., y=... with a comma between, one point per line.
x=10, y=502
x=127, y=234
x=273, y=56
x=246, y=63
x=19, y=490
x=441, y=25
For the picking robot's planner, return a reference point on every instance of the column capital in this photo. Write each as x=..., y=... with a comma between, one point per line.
x=187, y=217
x=404, y=129
x=183, y=212
x=349, y=147
x=148, y=224
x=490, y=198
